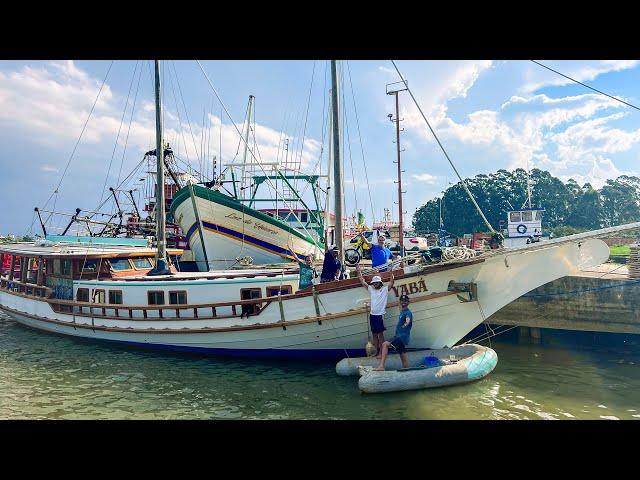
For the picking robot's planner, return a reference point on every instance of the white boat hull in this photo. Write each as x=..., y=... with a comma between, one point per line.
x=291, y=328
x=231, y=231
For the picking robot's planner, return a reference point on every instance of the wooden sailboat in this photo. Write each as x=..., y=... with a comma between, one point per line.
x=130, y=294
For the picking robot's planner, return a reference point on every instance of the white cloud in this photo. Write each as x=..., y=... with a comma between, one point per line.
x=50, y=103
x=425, y=177
x=48, y=168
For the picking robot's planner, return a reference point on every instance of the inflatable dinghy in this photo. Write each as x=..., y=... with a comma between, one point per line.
x=427, y=369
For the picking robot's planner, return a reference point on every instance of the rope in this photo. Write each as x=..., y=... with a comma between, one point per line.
x=185, y=108
x=464, y=184
x=126, y=141
x=348, y=142
x=306, y=116
x=457, y=253
x=585, y=85
x=115, y=146
x=55, y=192
x=364, y=166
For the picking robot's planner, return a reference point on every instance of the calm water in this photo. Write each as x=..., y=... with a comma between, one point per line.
x=55, y=377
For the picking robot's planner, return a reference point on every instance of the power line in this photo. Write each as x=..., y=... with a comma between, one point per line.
x=585, y=85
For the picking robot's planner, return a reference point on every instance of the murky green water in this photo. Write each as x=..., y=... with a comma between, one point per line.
x=55, y=377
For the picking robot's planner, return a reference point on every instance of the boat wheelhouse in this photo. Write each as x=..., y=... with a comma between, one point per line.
x=524, y=226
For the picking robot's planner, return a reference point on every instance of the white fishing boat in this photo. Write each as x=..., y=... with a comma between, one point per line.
x=221, y=229
x=131, y=294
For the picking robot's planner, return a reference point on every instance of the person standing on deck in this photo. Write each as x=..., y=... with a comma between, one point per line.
x=307, y=271
x=400, y=341
x=379, y=295
x=331, y=268
x=380, y=254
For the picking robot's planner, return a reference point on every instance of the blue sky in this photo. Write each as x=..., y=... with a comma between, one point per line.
x=488, y=114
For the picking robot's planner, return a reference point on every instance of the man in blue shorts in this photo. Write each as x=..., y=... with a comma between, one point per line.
x=380, y=254
x=379, y=293
x=401, y=340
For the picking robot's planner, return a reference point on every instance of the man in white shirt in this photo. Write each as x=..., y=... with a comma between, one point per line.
x=379, y=294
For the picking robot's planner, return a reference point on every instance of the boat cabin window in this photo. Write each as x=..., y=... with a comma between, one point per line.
x=155, y=297
x=527, y=216
x=538, y=215
x=178, y=298
x=249, y=294
x=82, y=295
x=304, y=216
x=89, y=266
x=66, y=267
x=115, y=297
x=99, y=296
x=275, y=291
x=48, y=267
x=142, y=263
x=118, y=264
x=56, y=266
x=514, y=217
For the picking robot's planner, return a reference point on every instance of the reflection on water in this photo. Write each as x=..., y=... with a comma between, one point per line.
x=51, y=376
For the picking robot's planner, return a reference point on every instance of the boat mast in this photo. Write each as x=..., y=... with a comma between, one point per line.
x=337, y=166
x=246, y=146
x=161, y=267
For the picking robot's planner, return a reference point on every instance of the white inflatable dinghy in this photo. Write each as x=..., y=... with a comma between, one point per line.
x=446, y=366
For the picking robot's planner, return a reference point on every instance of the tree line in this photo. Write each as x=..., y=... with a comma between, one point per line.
x=568, y=206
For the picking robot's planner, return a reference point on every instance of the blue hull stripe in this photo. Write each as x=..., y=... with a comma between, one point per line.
x=240, y=236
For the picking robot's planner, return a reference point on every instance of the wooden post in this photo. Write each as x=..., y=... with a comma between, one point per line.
x=24, y=267
x=12, y=267
x=40, y=278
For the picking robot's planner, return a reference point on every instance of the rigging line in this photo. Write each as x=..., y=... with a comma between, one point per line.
x=186, y=113
x=348, y=142
x=306, y=117
x=364, y=166
x=79, y=138
x=175, y=101
x=464, y=184
x=96, y=211
x=126, y=141
x=585, y=85
x=115, y=146
x=269, y=182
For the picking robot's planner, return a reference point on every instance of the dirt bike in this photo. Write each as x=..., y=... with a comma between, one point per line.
x=357, y=251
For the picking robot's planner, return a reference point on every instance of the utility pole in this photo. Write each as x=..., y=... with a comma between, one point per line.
x=394, y=89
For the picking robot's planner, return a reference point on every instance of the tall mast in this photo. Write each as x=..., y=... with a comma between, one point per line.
x=246, y=146
x=161, y=267
x=395, y=92
x=337, y=163
x=327, y=209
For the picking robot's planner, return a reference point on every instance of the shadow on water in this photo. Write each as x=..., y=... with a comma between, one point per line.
x=52, y=376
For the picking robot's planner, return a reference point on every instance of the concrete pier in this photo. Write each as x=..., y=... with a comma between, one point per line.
x=601, y=299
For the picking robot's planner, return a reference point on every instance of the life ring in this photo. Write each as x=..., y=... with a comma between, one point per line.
x=522, y=229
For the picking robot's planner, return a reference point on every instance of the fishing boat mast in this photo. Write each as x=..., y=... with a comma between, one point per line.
x=337, y=164
x=161, y=267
